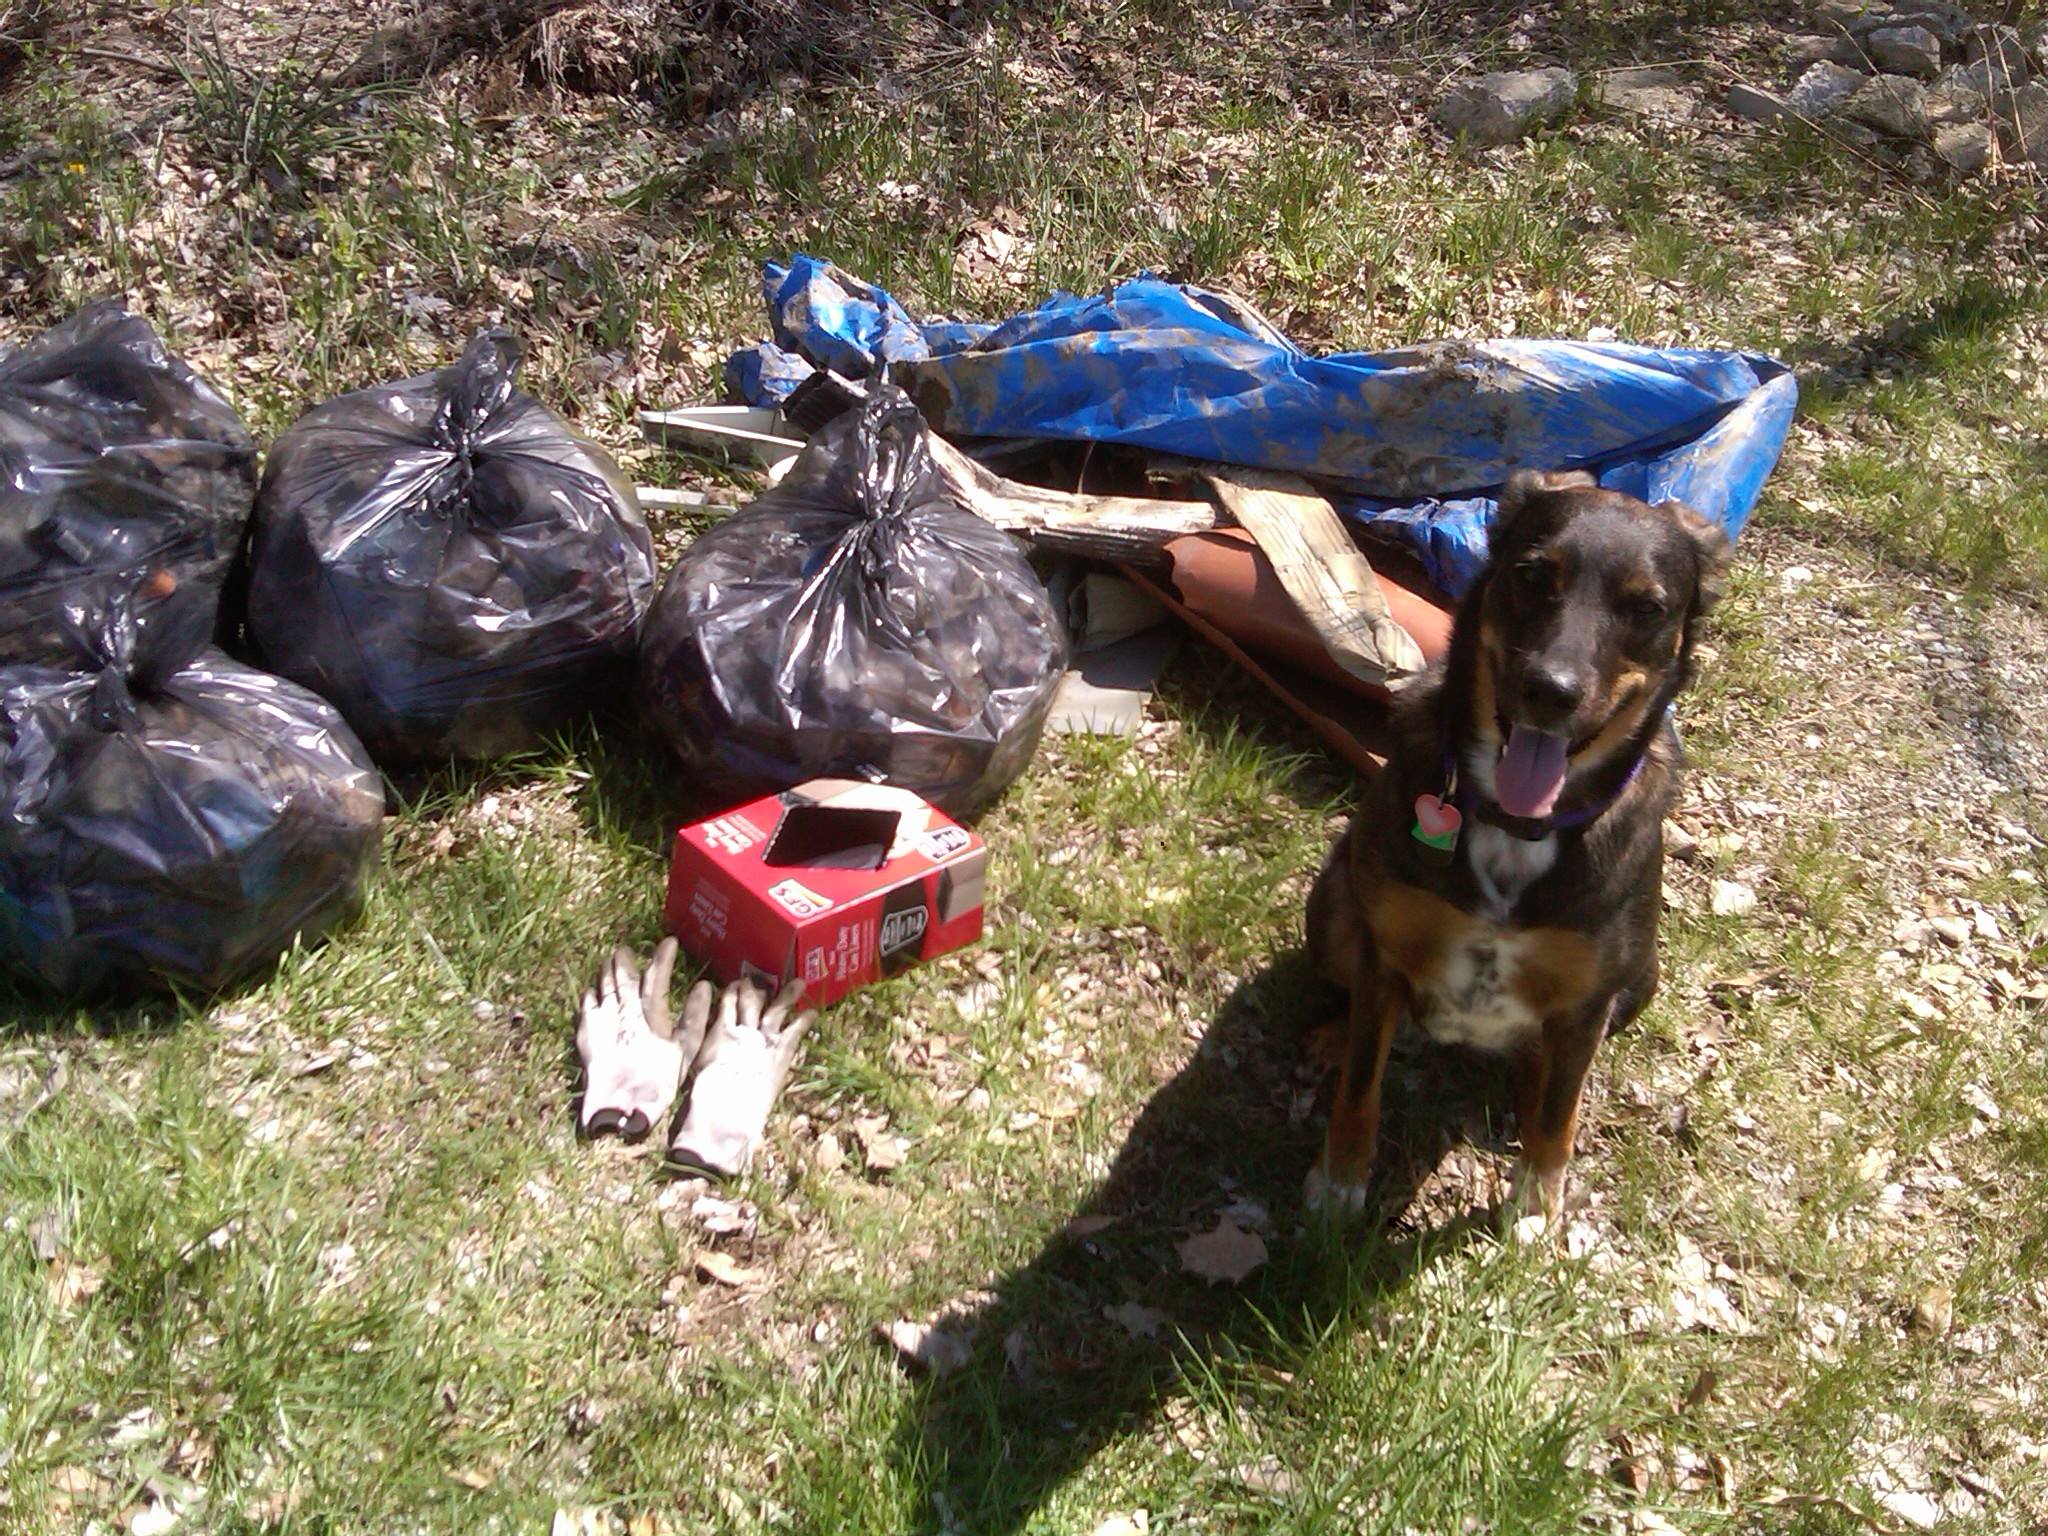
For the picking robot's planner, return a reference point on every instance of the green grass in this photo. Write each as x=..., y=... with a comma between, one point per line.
x=336, y=1236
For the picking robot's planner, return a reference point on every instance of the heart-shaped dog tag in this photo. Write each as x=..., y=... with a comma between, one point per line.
x=1436, y=826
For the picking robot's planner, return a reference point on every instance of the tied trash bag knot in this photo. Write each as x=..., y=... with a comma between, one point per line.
x=483, y=388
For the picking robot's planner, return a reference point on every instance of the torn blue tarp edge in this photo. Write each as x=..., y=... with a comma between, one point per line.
x=1717, y=420
x=1449, y=536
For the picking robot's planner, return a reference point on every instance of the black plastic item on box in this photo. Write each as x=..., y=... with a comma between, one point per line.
x=832, y=837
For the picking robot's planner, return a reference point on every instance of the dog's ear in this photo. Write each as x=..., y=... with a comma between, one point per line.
x=1710, y=542
x=1526, y=487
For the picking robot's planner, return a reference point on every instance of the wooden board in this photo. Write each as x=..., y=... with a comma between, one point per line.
x=1322, y=570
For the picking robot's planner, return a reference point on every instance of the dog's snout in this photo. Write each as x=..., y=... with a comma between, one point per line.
x=1553, y=692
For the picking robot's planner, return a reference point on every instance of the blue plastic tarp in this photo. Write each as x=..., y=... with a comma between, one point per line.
x=1418, y=439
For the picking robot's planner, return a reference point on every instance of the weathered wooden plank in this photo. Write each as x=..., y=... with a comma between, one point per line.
x=1321, y=568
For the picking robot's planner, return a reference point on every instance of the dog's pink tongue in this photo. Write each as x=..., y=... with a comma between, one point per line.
x=1531, y=772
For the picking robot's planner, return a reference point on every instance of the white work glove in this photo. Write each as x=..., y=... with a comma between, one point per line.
x=633, y=1055
x=744, y=1062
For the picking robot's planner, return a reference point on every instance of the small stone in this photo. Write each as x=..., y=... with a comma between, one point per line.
x=1911, y=1506
x=2024, y=134
x=1648, y=92
x=1500, y=108
x=1891, y=104
x=1906, y=51
x=1757, y=106
x=1722, y=847
x=1803, y=52
x=976, y=999
x=2034, y=37
x=1952, y=930
x=1731, y=898
x=1964, y=147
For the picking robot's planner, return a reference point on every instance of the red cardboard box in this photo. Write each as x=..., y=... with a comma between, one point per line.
x=838, y=882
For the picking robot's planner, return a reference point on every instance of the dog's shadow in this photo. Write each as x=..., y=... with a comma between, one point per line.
x=1054, y=1377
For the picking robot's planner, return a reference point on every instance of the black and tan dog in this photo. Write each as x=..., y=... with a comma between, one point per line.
x=1501, y=883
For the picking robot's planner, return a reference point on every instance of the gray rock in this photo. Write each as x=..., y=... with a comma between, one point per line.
x=1823, y=88
x=2001, y=43
x=1950, y=23
x=1906, y=51
x=1498, y=109
x=2035, y=37
x=1802, y=53
x=1892, y=105
x=2024, y=133
x=1957, y=98
x=1759, y=106
x=1645, y=77
x=1987, y=76
x=1648, y=92
x=1963, y=147
x=1853, y=14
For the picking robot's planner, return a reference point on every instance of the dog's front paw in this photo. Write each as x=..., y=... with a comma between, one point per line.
x=1538, y=1192
x=1319, y=1192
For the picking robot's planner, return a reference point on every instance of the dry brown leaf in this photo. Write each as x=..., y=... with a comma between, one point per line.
x=1724, y=1476
x=77, y=1483
x=723, y=1268
x=1632, y=1472
x=880, y=1148
x=1140, y=1322
x=938, y=1350
x=1934, y=1313
x=1088, y=1226
x=1702, y=1389
x=72, y=1284
x=476, y=1478
x=829, y=1155
x=1227, y=1253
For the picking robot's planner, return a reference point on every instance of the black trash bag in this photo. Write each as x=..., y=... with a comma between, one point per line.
x=173, y=823
x=125, y=484
x=855, y=621
x=447, y=561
